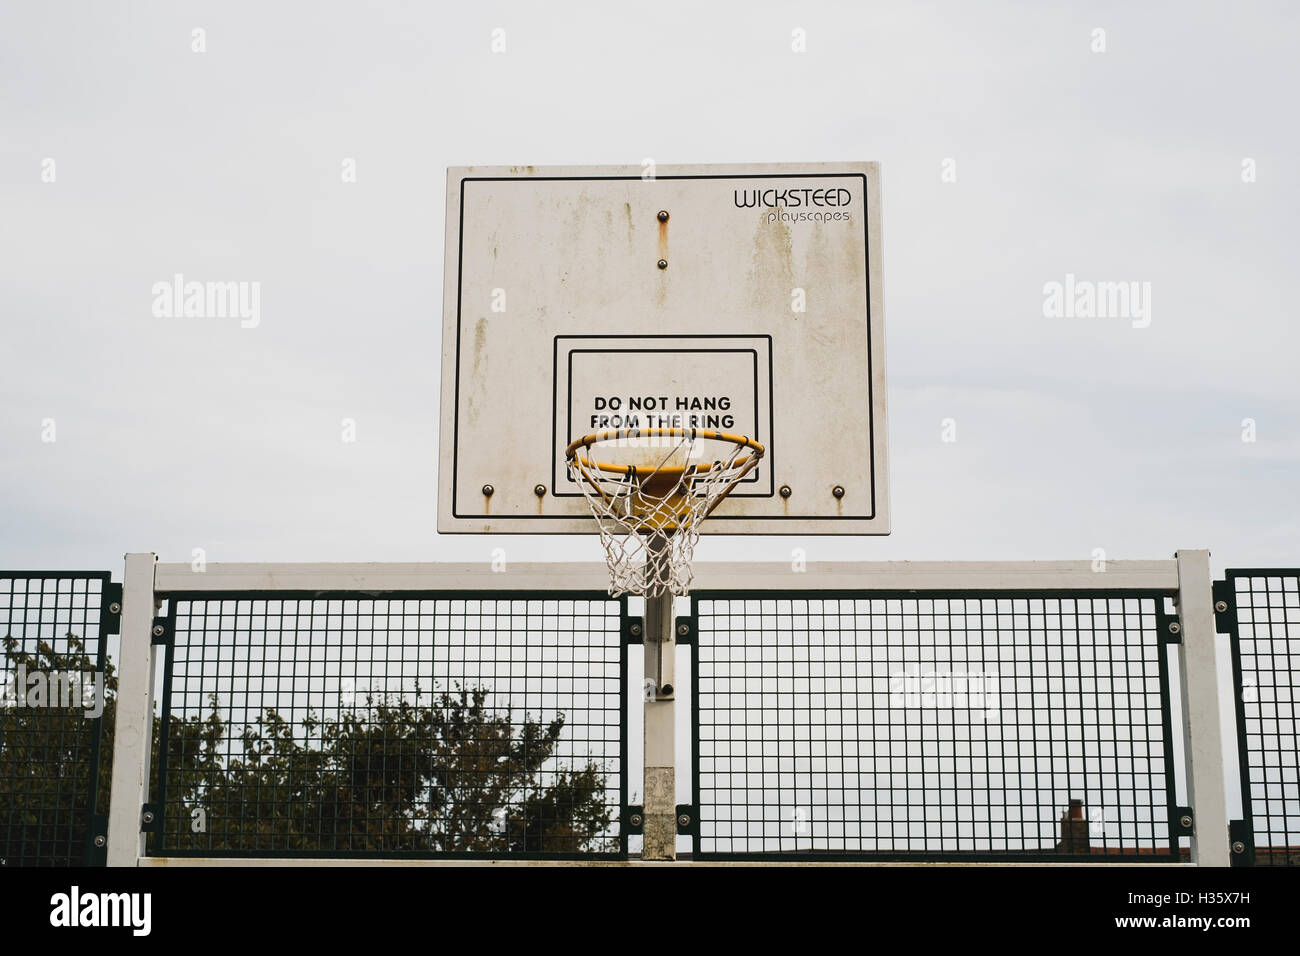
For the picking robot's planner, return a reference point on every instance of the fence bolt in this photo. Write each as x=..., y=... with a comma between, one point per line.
x=1174, y=627
x=1185, y=821
x=158, y=630
x=683, y=629
x=100, y=841
x=683, y=819
x=148, y=816
x=634, y=819
x=636, y=630
x=115, y=608
x=1238, y=847
x=1220, y=606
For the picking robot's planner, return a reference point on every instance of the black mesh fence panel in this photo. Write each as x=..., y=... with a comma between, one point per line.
x=936, y=725
x=51, y=698
x=1264, y=627
x=402, y=724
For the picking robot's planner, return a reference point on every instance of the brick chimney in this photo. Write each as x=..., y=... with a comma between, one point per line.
x=1074, y=830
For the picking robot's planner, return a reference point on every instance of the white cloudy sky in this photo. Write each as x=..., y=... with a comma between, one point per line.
x=1073, y=434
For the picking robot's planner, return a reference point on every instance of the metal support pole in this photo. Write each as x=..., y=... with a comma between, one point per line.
x=660, y=802
x=1198, y=671
x=133, y=732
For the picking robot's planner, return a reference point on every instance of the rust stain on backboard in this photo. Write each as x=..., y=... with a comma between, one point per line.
x=663, y=255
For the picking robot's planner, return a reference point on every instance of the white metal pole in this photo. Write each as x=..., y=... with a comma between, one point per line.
x=1198, y=670
x=659, y=833
x=133, y=730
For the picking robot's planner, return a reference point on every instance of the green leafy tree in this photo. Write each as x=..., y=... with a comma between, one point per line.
x=452, y=775
x=390, y=776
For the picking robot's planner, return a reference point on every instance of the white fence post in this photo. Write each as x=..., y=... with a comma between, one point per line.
x=1198, y=671
x=133, y=731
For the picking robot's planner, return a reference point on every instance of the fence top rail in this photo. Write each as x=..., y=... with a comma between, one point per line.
x=720, y=576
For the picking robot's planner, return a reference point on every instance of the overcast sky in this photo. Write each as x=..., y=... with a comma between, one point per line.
x=1072, y=433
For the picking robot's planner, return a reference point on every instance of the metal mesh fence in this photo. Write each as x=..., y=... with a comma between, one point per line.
x=1265, y=633
x=942, y=725
x=426, y=724
x=51, y=698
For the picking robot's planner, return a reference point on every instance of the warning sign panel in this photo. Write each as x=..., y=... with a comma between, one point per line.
x=716, y=382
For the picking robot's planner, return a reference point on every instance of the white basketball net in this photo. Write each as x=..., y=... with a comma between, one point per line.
x=649, y=517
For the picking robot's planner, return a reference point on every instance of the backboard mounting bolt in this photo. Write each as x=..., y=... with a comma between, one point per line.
x=663, y=215
x=663, y=263
x=539, y=490
x=785, y=491
x=487, y=491
x=1220, y=606
x=1174, y=627
x=838, y=491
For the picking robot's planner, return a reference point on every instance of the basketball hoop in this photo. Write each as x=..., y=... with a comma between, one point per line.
x=651, y=495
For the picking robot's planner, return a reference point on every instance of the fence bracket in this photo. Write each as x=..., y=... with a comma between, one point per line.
x=685, y=629
x=162, y=632
x=1182, y=821
x=110, y=612
x=1168, y=628
x=97, y=843
x=1242, y=842
x=1225, y=610
x=633, y=630
x=634, y=819
x=151, y=818
x=687, y=822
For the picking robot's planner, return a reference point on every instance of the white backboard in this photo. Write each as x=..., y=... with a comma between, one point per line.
x=756, y=307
